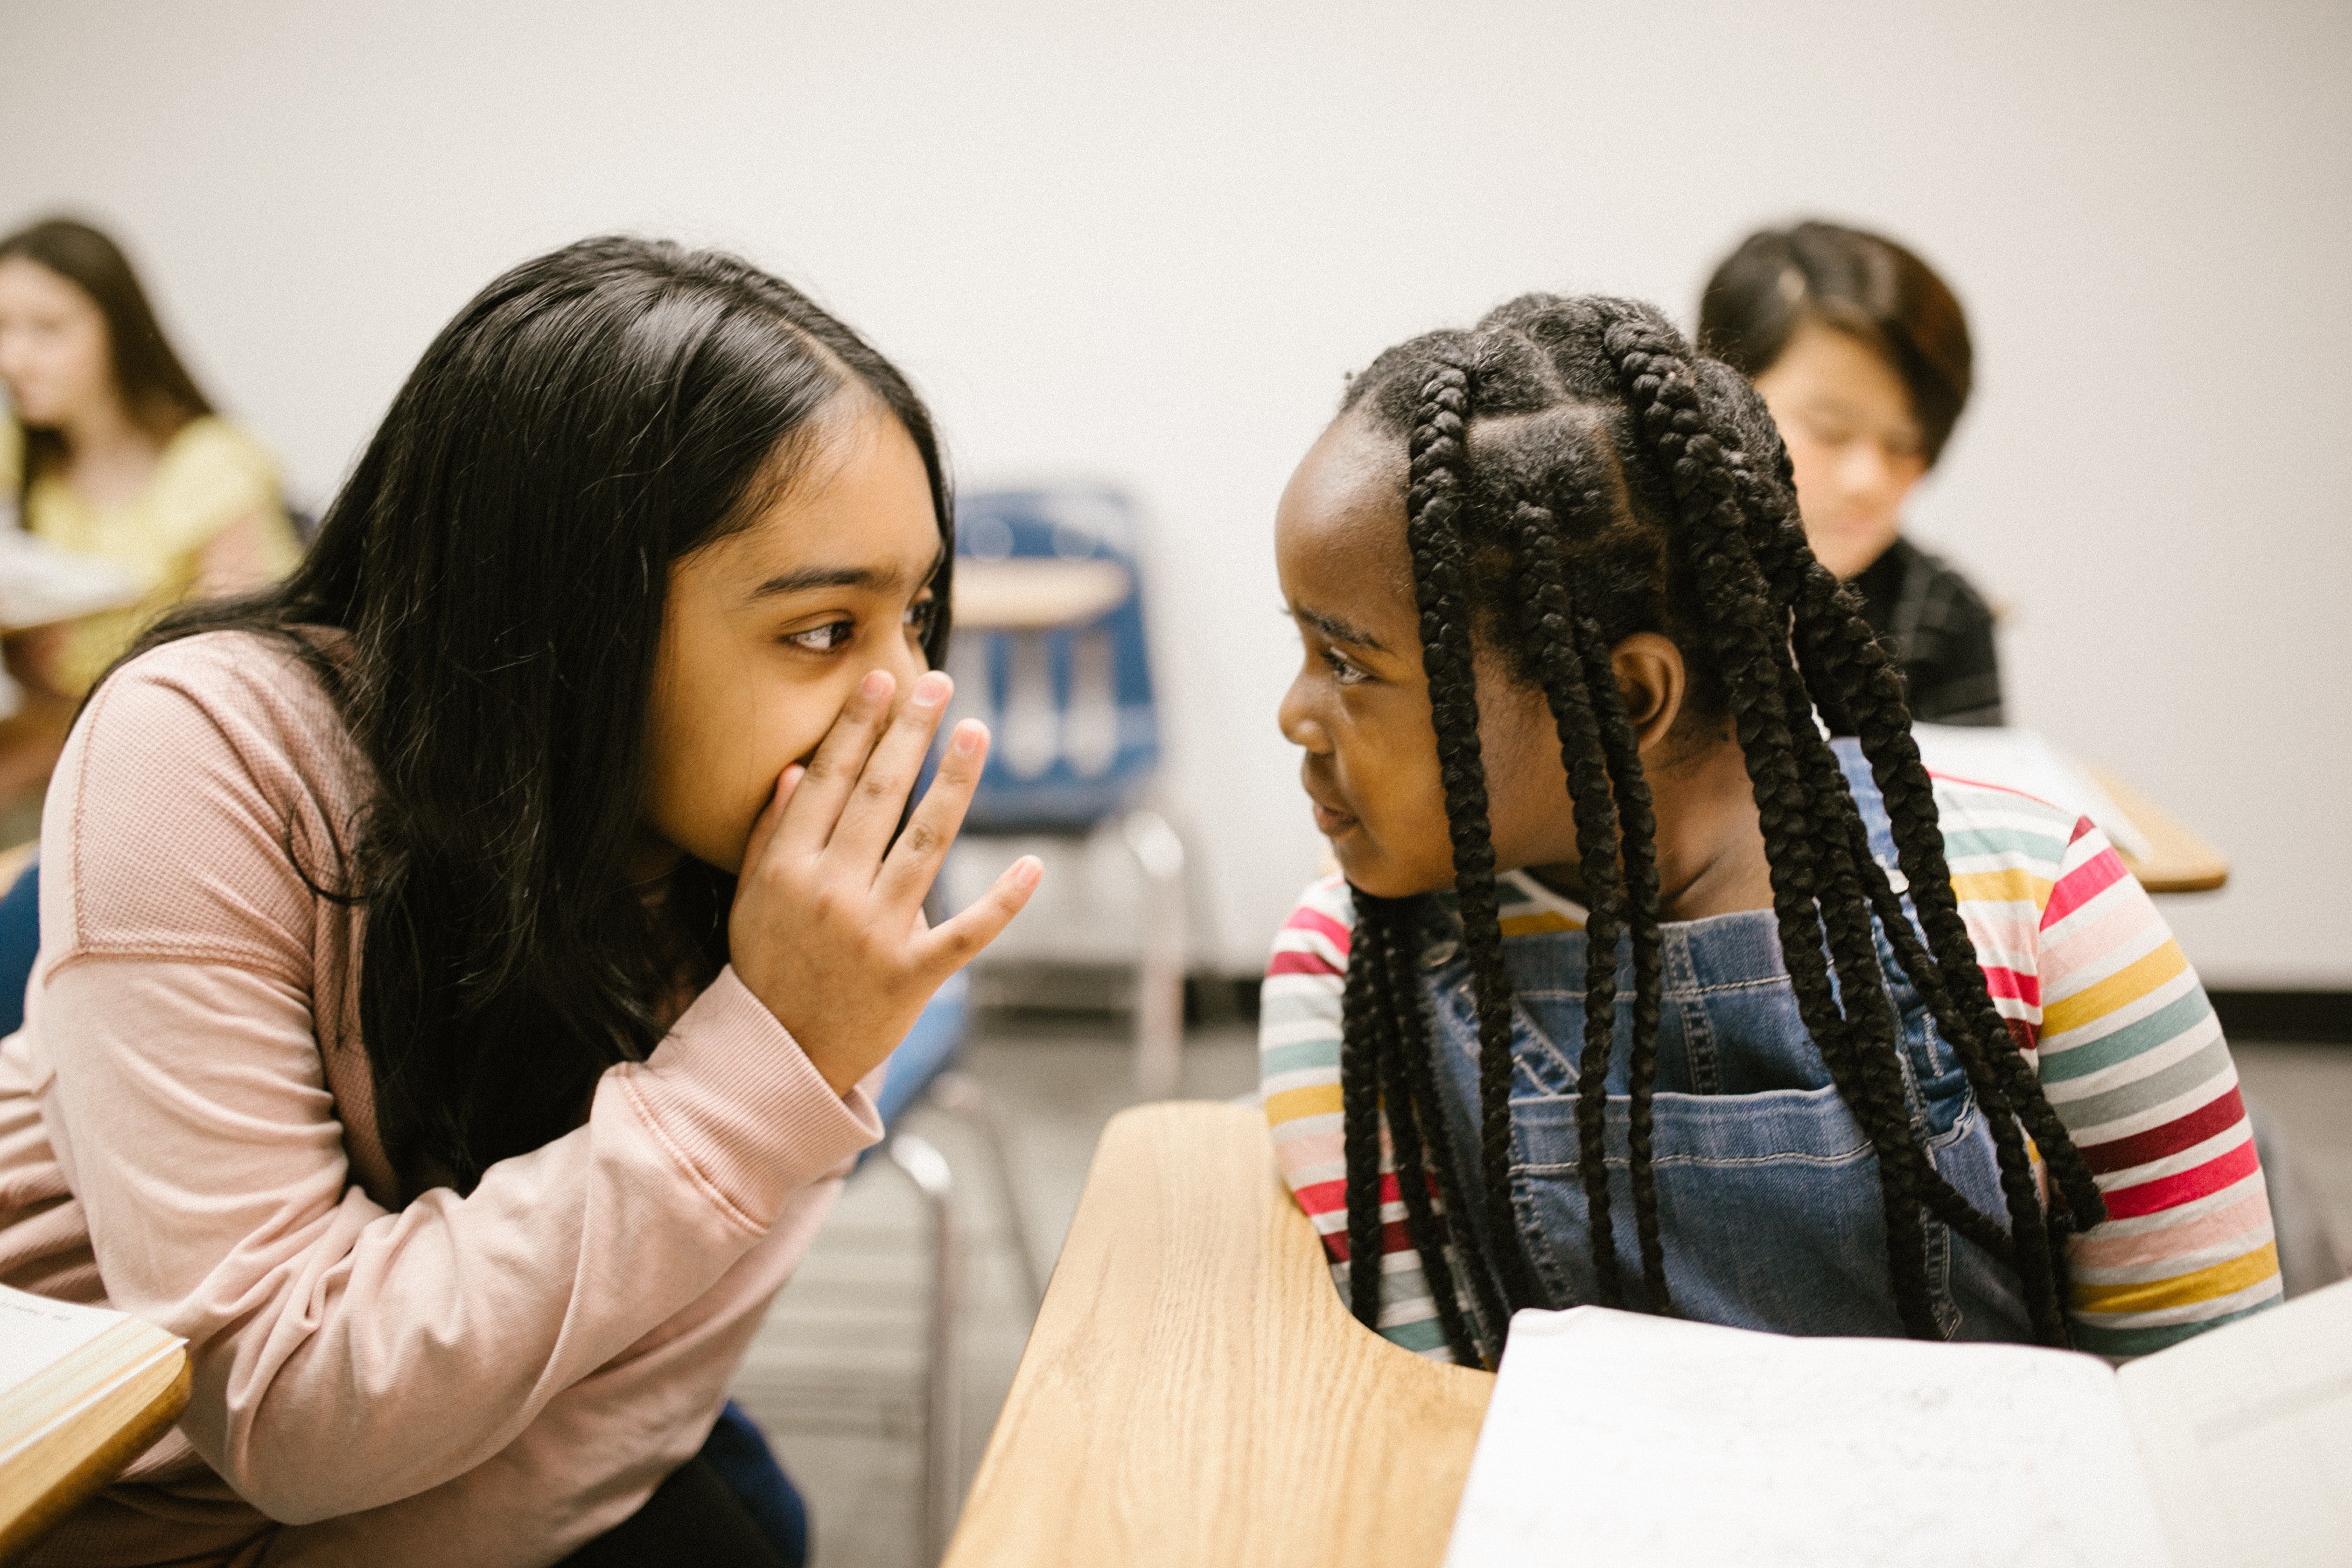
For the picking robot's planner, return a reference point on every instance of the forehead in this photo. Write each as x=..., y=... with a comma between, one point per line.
x=25, y=283
x=1339, y=529
x=858, y=498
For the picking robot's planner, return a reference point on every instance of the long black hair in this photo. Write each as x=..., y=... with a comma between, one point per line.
x=157, y=392
x=1622, y=483
x=496, y=566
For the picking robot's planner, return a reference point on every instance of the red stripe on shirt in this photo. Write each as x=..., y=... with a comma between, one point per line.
x=1293, y=962
x=1328, y=1197
x=2187, y=1186
x=2180, y=1133
x=1394, y=1238
x=2000, y=982
x=2083, y=883
x=1305, y=919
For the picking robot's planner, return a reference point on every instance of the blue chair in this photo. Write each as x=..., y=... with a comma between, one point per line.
x=20, y=945
x=1050, y=648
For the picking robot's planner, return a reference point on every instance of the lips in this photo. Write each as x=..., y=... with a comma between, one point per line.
x=1329, y=820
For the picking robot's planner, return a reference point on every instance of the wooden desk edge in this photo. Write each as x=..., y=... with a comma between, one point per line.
x=108, y=1460
x=2180, y=862
x=1208, y=1169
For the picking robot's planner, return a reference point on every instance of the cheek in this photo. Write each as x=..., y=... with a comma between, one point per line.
x=719, y=747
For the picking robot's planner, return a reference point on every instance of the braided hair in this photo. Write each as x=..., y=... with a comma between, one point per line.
x=1625, y=483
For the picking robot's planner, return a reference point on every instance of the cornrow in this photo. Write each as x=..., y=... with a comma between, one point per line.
x=1640, y=486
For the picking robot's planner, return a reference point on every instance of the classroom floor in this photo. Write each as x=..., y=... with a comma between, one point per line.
x=835, y=1376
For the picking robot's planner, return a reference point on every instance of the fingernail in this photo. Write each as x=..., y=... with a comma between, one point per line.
x=932, y=689
x=1027, y=870
x=792, y=776
x=966, y=740
x=876, y=685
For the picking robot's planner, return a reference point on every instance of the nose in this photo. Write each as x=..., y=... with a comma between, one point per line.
x=1297, y=716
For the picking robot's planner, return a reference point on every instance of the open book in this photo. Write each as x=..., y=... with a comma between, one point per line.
x=1615, y=1437
x=82, y=1392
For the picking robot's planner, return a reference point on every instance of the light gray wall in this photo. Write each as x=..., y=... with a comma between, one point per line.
x=1149, y=247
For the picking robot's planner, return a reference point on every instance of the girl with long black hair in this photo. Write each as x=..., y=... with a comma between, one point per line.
x=460, y=964
x=1620, y=935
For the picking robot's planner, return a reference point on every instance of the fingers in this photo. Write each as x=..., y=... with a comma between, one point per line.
x=914, y=860
x=879, y=799
x=957, y=942
x=833, y=770
x=771, y=818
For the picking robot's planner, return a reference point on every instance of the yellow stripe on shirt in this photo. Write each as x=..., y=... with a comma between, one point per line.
x=2125, y=986
x=2204, y=1285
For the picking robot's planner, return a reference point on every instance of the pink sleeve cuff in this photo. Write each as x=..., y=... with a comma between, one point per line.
x=742, y=1108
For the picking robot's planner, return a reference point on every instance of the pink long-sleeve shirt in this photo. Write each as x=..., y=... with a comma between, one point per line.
x=186, y=1134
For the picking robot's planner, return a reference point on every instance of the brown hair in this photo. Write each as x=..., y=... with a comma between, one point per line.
x=1864, y=284
x=155, y=387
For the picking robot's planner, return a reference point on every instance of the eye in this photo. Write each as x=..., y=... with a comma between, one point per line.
x=920, y=617
x=826, y=638
x=1343, y=669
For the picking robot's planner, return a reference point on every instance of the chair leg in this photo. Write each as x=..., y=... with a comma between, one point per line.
x=942, y=1412
x=962, y=1097
x=1159, y=983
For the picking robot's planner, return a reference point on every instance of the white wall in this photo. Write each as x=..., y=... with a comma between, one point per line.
x=1151, y=248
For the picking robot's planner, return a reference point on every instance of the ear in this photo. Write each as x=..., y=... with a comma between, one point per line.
x=1652, y=682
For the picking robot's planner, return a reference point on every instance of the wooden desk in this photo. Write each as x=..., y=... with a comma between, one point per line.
x=72, y=1461
x=2179, y=861
x=1194, y=1393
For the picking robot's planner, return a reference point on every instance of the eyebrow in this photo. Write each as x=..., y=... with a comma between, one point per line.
x=1338, y=630
x=808, y=577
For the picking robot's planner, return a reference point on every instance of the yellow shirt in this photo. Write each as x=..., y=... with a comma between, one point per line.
x=209, y=476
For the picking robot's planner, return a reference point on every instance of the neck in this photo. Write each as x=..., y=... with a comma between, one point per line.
x=1710, y=844
x=109, y=456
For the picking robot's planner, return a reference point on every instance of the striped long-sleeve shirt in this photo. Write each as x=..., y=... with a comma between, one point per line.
x=2096, y=993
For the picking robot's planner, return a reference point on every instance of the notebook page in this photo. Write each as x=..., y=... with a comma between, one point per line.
x=1616, y=1437
x=2246, y=1434
x=36, y=1333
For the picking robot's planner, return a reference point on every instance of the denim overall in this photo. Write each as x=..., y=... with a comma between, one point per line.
x=1769, y=1204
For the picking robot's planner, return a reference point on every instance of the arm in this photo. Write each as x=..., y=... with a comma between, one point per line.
x=2133, y=1060
x=1299, y=1077
x=567, y=1479
x=189, y=1112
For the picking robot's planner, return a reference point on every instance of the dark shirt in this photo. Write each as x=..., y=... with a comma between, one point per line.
x=1940, y=630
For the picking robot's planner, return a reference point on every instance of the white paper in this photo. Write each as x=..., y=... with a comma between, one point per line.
x=1615, y=1437
x=2022, y=761
x=36, y=1333
x=2246, y=1434
x=41, y=583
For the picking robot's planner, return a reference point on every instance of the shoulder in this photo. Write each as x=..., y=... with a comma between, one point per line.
x=1980, y=818
x=210, y=474
x=1946, y=585
x=1314, y=937
x=204, y=789
x=212, y=445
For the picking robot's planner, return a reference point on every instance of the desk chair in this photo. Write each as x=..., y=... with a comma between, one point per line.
x=923, y=1071
x=1050, y=649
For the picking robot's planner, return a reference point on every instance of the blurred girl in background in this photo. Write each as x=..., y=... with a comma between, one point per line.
x=1861, y=353
x=109, y=449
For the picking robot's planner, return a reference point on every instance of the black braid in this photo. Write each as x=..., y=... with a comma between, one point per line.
x=1432, y=500
x=1362, y=1038
x=1640, y=851
x=1407, y=1103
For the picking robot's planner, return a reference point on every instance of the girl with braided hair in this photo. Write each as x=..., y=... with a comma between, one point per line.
x=1635, y=989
